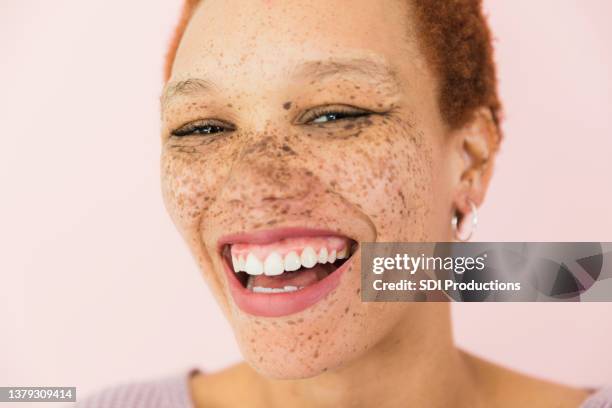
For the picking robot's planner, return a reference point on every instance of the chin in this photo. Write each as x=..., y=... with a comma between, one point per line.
x=325, y=340
x=321, y=338
x=301, y=358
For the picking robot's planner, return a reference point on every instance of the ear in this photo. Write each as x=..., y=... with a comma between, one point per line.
x=475, y=147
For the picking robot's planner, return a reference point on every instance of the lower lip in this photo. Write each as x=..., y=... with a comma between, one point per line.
x=282, y=304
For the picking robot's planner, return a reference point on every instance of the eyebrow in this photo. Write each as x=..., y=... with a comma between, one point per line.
x=183, y=88
x=315, y=70
x=332, y=67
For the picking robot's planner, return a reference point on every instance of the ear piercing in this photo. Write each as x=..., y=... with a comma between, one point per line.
x=456, y=227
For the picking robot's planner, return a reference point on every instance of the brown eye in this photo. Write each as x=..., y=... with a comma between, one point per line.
x=202, y=127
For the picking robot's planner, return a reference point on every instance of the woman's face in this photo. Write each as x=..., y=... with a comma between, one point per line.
x=292, y=130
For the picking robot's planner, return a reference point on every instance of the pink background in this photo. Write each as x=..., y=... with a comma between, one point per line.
x=96, y=286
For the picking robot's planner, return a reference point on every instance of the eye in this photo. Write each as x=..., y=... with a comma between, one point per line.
x=202, y=127
x=332, y=114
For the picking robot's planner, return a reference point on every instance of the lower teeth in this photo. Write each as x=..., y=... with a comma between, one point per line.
x=261, y=289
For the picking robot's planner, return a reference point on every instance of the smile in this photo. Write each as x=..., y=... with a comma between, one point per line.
x=281, y=272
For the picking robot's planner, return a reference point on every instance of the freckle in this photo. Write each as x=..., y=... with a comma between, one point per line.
x=346, y=310
x=310, y=337
x=287, y=105
x=229, y=105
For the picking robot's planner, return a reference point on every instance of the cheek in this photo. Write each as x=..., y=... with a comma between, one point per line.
x=386, y=171
x=188, y=184
x=188, y=188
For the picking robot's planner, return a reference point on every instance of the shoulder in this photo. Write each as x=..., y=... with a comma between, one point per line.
x=509, y=388
x=599, y=399
x=166, y=392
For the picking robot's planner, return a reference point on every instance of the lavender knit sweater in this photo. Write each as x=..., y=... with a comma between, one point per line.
x=173, y=392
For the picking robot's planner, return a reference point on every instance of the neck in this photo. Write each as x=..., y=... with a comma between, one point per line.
x=417, y=364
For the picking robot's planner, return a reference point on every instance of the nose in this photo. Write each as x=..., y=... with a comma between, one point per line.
x=266, y=170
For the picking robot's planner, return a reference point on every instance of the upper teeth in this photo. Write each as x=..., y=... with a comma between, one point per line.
x=275, y=264
x=253, y=266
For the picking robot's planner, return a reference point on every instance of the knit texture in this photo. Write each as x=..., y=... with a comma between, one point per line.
x=601, y=399
x=169, y=392
x=173, y=392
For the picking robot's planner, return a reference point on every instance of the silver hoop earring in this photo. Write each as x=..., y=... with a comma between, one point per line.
x=455, y=222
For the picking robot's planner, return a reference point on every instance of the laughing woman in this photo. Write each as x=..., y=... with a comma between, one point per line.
x=293, y=131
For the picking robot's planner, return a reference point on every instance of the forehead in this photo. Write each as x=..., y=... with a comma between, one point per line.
x=263, y=40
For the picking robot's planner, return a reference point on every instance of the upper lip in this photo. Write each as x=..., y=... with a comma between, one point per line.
x=272, y=235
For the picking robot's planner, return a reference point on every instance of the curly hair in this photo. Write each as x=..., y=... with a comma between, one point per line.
x=457, y=43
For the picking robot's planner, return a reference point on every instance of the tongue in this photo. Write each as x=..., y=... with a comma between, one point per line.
x=301, y=277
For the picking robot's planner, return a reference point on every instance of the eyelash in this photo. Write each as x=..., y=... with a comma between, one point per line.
x=333, y=114
x=202, y=127
x=337, y=113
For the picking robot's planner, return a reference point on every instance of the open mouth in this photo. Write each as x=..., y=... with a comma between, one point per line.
x=288, y=265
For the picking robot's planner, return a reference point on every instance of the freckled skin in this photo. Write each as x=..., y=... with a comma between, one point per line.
x=371, y=178
x=384, y=174
x=390, y=176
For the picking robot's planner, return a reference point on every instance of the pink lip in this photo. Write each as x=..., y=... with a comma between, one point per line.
x=268, y=236
x=279, y=304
